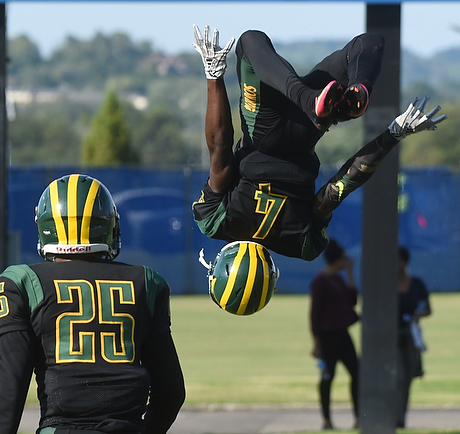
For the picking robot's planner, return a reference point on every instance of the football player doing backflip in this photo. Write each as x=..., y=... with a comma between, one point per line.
x=263, y=190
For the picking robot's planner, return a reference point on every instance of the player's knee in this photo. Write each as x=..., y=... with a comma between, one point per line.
x=252, y=40
x=374, y=40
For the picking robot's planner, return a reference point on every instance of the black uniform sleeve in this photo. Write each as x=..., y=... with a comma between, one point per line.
x=356, y=171
x=17, y=351
x=159, y=357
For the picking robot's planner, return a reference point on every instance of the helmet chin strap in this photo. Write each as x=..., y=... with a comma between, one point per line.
x=209, y=266
x=203, y=261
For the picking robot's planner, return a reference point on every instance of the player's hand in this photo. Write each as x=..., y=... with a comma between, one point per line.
x=414, y=119
x=214, y=57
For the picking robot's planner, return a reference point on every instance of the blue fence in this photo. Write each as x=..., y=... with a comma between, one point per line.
x=158, y=229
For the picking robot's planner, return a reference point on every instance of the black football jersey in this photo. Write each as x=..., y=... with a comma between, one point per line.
x=271, y=203
x=94, y=323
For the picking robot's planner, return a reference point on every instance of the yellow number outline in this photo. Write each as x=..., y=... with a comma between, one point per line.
x=270, y=205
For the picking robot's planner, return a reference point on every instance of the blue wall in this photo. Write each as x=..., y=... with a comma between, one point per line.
x=158, y=229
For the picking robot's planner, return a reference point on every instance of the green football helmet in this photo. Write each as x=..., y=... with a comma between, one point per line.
x=242, y=278
x=76, y=214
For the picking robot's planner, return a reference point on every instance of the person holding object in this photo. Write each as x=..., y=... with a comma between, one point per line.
x=414, y=304
x=332, y=311
x=264, y=191
x=95, y=331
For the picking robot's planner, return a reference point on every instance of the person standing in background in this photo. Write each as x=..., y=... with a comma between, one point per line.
x=414, y=303
x=332, y=312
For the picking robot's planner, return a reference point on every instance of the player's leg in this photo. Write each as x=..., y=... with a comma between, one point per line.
x=365, y=64
x=258, y=117
x=270, y=68
x=357, y=67
x=259, y=64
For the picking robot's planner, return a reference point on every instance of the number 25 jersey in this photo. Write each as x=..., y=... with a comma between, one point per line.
x=95, y=323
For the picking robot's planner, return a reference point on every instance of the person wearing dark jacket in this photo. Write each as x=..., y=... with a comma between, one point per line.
x=414, y=303
x=332, y=311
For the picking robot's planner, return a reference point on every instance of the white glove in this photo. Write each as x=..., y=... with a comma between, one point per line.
x=414, y=120
x=214, y=57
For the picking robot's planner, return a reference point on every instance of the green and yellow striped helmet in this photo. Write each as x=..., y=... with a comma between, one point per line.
x=242, y=278
x=76, y=214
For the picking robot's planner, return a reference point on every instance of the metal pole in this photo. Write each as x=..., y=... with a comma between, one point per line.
x=377, y=384
x=3, y=140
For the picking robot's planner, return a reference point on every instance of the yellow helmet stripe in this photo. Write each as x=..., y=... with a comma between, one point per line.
x=252, y=272
x=231, y=281
x=56, y=212
x=88, y=211
x=72, y=223
x=266, y=275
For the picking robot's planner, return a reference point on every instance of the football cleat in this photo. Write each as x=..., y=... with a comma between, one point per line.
x=325, y=103
x=354, y=102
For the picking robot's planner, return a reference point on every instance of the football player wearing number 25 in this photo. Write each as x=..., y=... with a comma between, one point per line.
x=95, y=331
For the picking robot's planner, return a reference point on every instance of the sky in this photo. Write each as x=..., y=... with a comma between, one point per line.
x=427, y=26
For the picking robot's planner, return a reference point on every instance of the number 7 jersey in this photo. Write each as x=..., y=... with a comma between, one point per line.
x=271, y=204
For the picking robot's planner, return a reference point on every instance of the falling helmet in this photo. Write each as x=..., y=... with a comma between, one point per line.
x=242, y=278
x=76, y=214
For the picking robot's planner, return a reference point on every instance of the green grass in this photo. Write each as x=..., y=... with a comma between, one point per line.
x=399, y=431
x=265, y=357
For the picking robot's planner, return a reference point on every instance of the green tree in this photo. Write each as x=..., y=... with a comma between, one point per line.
x=24, y=53
x=26, y=67
x=39, y=136
x=160, y=140
x=441, y=147
x=90, y=63
x=341, y=142
x=108, y=142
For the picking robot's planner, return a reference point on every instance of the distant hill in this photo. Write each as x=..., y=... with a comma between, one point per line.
x=82, y=64
x=440, y=72
x=57, y=97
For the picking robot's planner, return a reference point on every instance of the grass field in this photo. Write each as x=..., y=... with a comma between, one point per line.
x=399, y=431
x=265, y=357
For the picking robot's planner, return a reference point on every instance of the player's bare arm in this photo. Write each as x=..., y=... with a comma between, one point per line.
x=219, y=128
x=219, y=136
